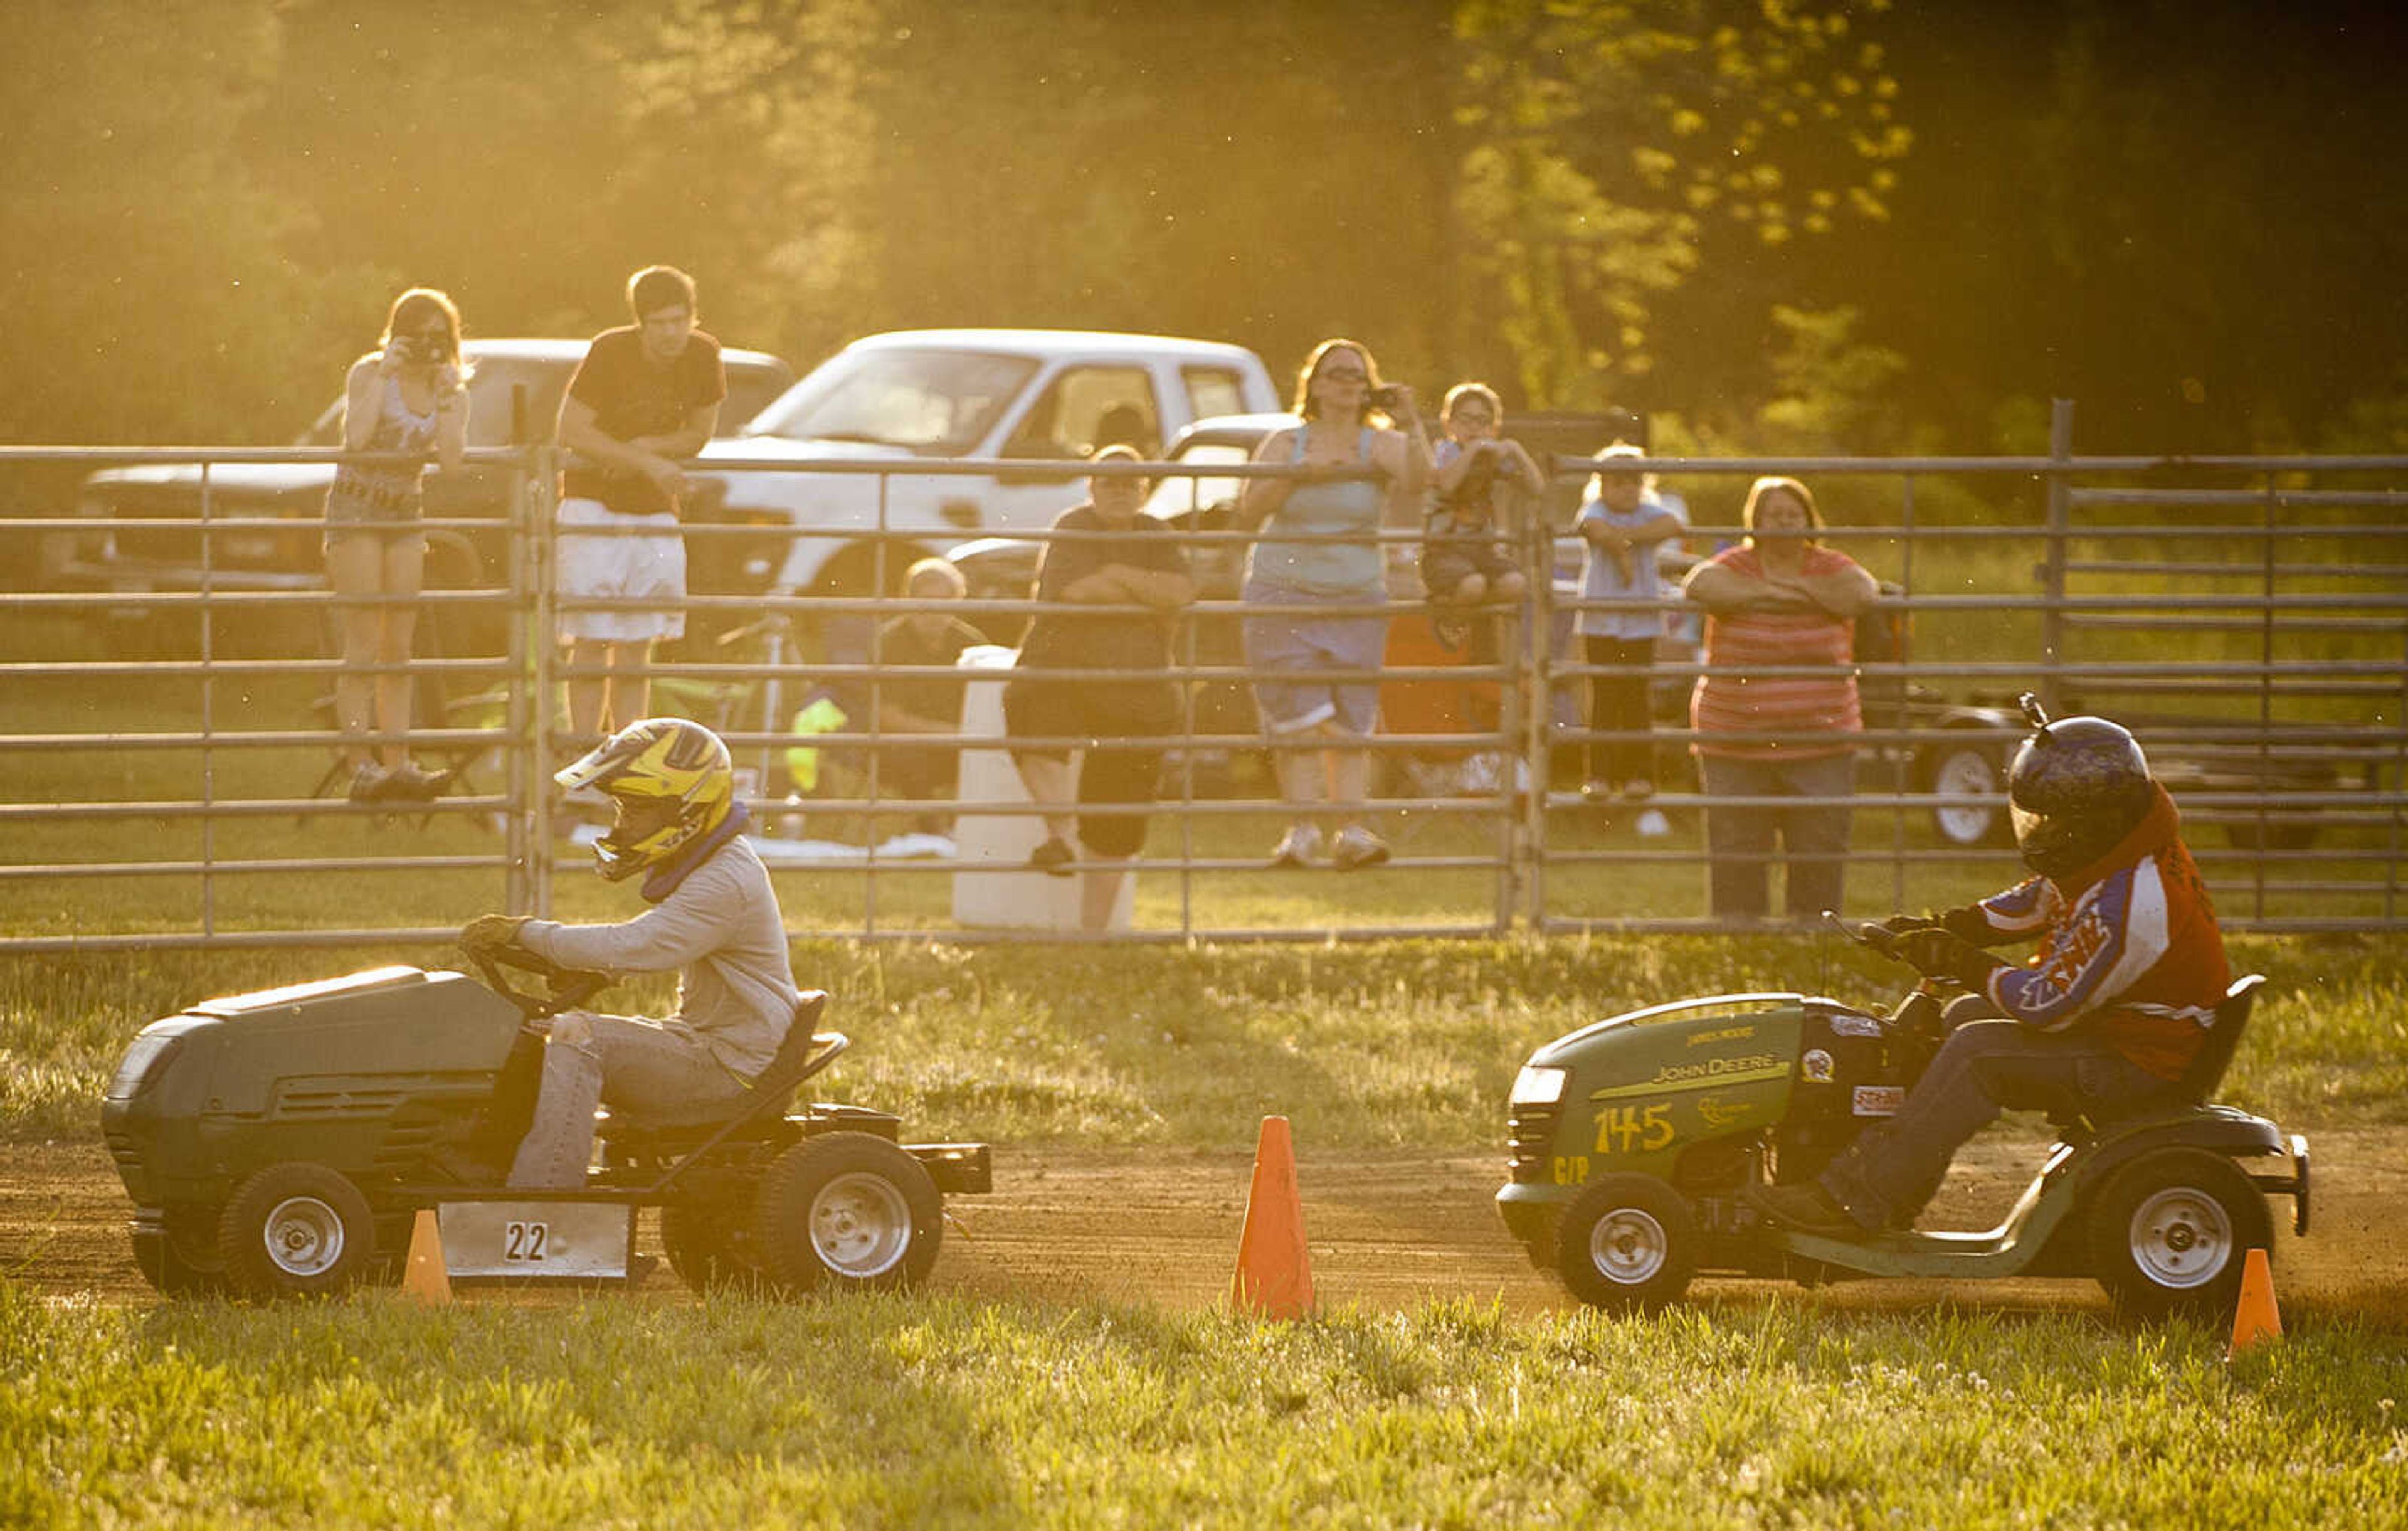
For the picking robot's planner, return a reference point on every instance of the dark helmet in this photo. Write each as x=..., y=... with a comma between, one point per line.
x=2077, y=786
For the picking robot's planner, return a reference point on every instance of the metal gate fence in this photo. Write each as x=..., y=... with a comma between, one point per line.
x=165, y=713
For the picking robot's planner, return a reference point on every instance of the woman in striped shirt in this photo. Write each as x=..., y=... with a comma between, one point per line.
x=1779, y=599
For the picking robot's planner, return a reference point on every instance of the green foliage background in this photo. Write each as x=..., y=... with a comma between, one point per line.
x=1781, y=225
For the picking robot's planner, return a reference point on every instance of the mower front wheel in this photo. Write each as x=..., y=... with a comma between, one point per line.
x=296, y=1230
x=1629, y=1243
x=2170, y=1232
x=848, y=1210
x=704, y=1250
x=176, y=1249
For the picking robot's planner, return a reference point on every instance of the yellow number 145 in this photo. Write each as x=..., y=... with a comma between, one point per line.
x=1621, y=1129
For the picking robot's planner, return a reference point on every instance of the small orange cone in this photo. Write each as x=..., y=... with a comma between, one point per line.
x=426, y=1280
x=1274, y=1268
x=2255, y=1318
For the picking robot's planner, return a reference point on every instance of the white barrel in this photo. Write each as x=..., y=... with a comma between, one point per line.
x=1012, y=897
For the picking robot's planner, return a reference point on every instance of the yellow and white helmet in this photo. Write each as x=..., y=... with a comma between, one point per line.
x=657, y=760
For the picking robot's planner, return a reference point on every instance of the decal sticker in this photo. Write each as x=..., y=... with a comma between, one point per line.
x=1816, y=1065
x=1703, y=1074
x=1879, y=1099
x=1727, y=1034
x=1720, y=1113
x=1572, y=1170
x=1854, y=1025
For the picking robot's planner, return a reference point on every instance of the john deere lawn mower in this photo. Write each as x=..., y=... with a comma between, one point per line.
x=1634, y=1139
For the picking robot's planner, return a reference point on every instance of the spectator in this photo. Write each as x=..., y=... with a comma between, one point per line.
x=645, y=395
x=1319, y=547
x=1779, y=598
x=1467, y=545
x=1141, y=565
x=1622, y=524
x=1125, y=425
x=930, y=705
x=408, y=395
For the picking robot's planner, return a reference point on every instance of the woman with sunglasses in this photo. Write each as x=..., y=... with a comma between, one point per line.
x=1318, y=547
x=409, y=395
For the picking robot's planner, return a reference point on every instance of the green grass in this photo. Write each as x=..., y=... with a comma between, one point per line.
x=1366, y=1045
x=942, y=1411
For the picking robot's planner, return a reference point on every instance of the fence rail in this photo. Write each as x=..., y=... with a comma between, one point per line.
x=163, y=713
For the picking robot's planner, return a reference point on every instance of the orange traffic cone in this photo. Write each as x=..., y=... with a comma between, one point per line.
x=2255, y=1318
x=426, y=1280
x=1274, y=1268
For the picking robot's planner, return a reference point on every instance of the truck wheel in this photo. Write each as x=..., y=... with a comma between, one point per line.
x=1964, y=769
x=296, y=1230
x=2169, y=1231
x=704, y=1250
x=1628, y=1243
x=847, y=1210
x=177, y=1249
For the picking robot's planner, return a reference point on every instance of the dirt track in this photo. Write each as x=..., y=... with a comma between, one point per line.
x=1387, y=1230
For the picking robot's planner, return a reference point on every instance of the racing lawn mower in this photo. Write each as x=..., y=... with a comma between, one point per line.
x=1633, y=1140
x=282, y=1143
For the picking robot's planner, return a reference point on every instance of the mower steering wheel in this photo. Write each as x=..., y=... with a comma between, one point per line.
x=566, y=988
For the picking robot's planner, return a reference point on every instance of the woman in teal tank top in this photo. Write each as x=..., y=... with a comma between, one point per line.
x=1319, y=548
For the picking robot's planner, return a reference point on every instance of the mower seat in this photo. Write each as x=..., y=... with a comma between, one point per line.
x=2198, y=1081
x=2215, y=1055
x=805, y=1050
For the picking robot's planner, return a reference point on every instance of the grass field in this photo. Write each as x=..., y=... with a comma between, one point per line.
x=935, y=1413
x=939, y=1410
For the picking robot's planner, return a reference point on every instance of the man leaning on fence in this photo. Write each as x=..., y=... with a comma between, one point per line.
x=646, y=395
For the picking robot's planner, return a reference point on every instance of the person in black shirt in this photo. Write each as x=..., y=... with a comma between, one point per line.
x=1105, y=723
x=646, y=395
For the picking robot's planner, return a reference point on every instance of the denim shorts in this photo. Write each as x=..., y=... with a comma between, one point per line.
x=1283, y=648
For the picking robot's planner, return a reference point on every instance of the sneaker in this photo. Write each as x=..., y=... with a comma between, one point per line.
x=1053, y=858
x=1299, y=847
x=1357, y=847
x=1638, y=790
x=409, y=782
x=367, y=782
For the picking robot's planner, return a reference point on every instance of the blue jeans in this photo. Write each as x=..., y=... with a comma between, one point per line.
x=636, y=1063
x=1739, y=838
x=1985, y=1067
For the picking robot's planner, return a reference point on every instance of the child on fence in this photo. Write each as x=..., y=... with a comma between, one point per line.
x=1622, y=524
x=1468, y=555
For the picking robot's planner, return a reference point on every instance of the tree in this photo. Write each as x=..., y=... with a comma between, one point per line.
x=1609, y=141
x=150, y=293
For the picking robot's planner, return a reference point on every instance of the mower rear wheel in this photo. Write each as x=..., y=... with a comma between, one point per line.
x=296, y=1230
x=1628, y=1243
x=846, y=1209
x=2169, y=1231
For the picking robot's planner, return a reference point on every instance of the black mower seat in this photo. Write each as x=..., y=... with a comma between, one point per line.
x=2215, y=1055
x=2199, y=1080
x=804, y=1052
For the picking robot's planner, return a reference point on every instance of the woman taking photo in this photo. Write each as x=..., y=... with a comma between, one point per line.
x=408, y=395
x=1778, y=599
x=1317, y=547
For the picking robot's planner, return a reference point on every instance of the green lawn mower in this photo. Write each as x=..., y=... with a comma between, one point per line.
x=282, y=1143
x=1632, y=1141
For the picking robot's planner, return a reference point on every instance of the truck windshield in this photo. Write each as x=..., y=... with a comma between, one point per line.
x=936, y=403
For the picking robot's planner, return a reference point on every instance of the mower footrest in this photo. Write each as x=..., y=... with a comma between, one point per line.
x=959, y=1170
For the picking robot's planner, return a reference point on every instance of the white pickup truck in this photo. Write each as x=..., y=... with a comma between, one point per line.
x=942, y=396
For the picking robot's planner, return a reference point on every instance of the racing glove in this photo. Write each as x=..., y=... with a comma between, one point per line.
x=491, y=932
x=1966, y=924
x=1941, y=954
